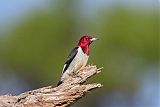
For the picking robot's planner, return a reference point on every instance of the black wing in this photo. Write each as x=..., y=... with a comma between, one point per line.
x=70, y=58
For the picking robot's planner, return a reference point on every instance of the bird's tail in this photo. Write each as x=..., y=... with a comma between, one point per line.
x=59, y=83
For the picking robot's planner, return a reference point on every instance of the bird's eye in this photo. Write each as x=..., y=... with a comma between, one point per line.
x=85, y=38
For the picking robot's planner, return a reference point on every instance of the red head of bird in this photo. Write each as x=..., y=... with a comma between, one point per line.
x=85, y=41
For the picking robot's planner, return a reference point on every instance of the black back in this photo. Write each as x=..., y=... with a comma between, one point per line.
x=70, y=58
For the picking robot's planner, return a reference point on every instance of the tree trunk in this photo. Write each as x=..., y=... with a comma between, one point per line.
x=62, y=96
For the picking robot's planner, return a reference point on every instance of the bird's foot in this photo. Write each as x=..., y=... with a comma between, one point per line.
x=76, y=75
x=80, y=70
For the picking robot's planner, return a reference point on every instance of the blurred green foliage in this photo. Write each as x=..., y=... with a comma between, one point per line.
x=128, y=45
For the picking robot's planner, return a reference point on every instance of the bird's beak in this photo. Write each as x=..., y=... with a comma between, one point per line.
x=94, y=39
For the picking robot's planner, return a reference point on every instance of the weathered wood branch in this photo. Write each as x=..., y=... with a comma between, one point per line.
x=62, y=96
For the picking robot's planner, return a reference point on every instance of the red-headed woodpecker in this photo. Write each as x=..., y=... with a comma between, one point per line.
x=77, y=58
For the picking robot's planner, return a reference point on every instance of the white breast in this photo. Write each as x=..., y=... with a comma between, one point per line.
x=81, y=57
x=78, y=62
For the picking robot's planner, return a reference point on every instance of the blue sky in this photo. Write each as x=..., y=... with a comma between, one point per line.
x=14, y=10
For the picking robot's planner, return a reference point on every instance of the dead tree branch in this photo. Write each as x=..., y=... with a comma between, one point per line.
x=62, y=96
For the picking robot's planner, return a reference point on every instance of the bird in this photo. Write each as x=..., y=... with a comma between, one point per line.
x=78, y=58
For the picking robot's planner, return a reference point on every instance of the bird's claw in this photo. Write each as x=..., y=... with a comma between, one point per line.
x=75, y=76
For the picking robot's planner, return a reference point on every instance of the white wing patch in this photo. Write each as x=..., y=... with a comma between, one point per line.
x=64, y=68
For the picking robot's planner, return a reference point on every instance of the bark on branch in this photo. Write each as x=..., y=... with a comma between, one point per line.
x=62, y=96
